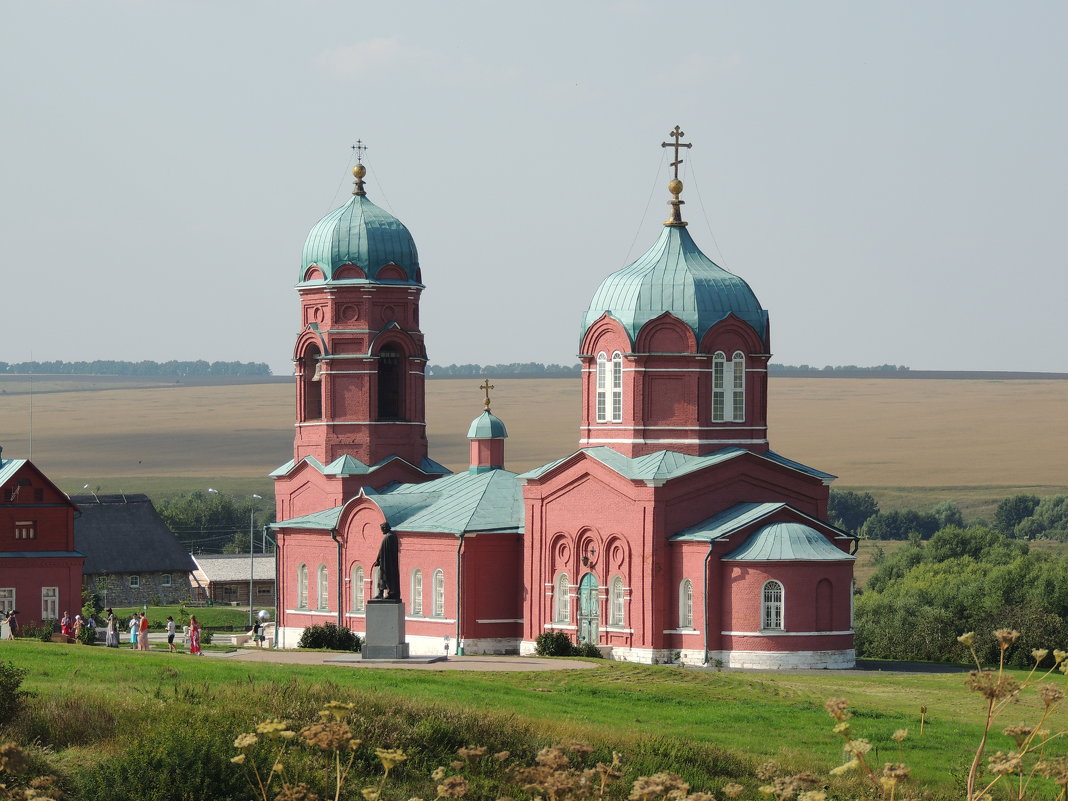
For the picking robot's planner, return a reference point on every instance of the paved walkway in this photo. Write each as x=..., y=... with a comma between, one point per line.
x=333, y=658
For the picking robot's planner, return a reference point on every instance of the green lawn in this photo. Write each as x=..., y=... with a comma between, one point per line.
x=710, y=726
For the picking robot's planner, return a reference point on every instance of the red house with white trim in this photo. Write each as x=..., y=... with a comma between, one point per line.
x=40, y=572
x=675, y=531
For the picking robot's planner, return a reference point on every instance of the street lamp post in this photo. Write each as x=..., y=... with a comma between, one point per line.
x=251, y=548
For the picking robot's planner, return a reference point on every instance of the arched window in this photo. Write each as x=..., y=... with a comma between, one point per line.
x=615, y=602
x=390, y=384
x=439, y=593
x=602, y=388
x=359, y=597
x=728, y=388
x=738, y=387
x=417, y=593
x=311, y=384
x=771, y=608
x=562, y=612
x=686, y=604
x=302, y=586
x=324, y=599
x=617, y=387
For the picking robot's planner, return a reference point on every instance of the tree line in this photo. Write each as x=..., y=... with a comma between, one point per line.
x=512, y=370
x=950, y=578
x=143, y=368
x=209, y=522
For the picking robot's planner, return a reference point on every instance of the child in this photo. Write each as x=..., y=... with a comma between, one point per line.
x=170, y=634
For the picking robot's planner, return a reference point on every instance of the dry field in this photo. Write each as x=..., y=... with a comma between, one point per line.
x=902, y=439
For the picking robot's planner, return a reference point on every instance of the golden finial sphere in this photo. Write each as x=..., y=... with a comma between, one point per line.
x=359, y=171
x=675, y=186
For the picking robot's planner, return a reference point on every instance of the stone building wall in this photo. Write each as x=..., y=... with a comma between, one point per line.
x=153, y=589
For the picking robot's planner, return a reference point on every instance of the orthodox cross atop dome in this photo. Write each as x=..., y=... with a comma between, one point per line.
x=675, y=185
x=359, y=171
x=486, y=387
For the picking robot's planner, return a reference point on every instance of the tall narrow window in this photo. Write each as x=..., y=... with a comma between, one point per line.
x=728, y=388
x=417, y=593
x=324, y=598
x=302, y=586
x=686, y=604
x=359, y=603
x=615, y=602
x=439, y=593
x=390, y=384
x=602, y=388
x=49, y=603
x=738, y=387
x=311, y=384
x=771, y=615
x=563, y=601
x=617, y=387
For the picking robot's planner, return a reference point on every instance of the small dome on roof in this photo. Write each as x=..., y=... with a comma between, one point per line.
x=782, y=542
x=487, y=426
x=675, y=276
x=362, y=234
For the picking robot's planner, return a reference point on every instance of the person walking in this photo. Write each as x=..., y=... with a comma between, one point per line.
x=12, y=624
x=78, y=623
x=135, y=624
x=194, y=636
x=111, y=637
x=170, y=634
x=142, y=633
x=64, y=625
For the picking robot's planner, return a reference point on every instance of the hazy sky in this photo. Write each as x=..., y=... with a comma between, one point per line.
x=891, y=178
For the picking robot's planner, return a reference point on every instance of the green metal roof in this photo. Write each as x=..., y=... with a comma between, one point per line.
x=737, y=517
x=675, y=276
x=351, y=466
x=783, y=542
x=462, y=503
x=666, y=465
x=360, y=233
x=8, y=468
x=487, y=426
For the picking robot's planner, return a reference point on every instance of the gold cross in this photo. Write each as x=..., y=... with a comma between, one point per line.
x=487, y=386
x=677, y=134
x=358, y=149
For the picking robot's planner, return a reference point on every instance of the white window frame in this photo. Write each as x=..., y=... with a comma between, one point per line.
x=728, y=388
x=7, y=599
x=615, y=602
x=359, y=597
x=302, y=586
x=686, y=604
x=165, y=581
x=772, y=606
x=322, y=586
x=602, y=387
x=417, y=593
x=562, y=599
x=49, y=603
x=439, y=593
x=135, y=582
x=617, y=387
x=25, y=529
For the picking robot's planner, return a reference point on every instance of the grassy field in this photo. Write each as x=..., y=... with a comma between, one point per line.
x=709, y=726
x=911, y=443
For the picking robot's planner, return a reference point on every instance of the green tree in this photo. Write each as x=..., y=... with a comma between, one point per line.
x=1049, y=521
x=1014, y=510
x=850, y=510
x=948, y=514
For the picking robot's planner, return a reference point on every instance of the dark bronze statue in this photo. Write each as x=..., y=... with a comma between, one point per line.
x=388, y=567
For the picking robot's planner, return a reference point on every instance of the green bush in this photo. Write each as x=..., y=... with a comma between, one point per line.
x=331, y=637
x=554, y=643
x=589, y=650
x=42, y=631
x=11, y=697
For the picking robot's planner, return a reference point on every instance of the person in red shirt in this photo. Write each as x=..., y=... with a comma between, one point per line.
x=142, y=634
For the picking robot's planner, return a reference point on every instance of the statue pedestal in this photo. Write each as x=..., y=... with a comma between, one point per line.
x=385, y=630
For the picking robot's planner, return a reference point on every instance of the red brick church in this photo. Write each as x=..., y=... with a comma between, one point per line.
x=673, y=528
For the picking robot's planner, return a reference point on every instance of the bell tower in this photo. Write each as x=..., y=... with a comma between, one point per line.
x=359, y=356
